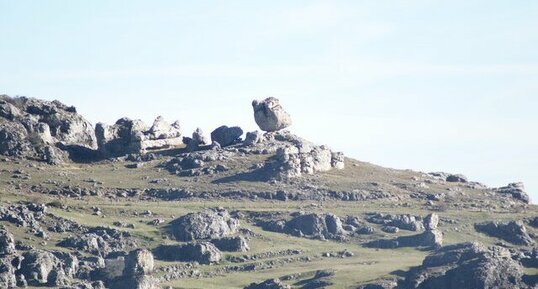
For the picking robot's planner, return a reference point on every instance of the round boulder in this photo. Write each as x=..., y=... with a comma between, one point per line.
x=269, y=114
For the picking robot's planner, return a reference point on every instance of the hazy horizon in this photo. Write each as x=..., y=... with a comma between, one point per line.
x=412, y=85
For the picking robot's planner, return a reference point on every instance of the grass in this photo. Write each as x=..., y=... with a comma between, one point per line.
x=366, y=264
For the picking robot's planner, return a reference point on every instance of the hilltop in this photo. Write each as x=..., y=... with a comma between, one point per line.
x=130, y=205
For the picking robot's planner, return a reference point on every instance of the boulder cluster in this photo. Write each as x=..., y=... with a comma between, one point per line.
x=54, y=132
x=207, y=234
x=128, y=136
x=514, y=232
x=36, y=129
x=466, y=266
x=431, y=238
x=309, y=225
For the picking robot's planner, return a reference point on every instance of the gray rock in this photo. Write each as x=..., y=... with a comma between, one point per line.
x=208, y=224
x=226, y=136
x=380, y=284
x=41, y=267
x=7, y=273
x=253, y=137
x=163, y=130
x=466, y=266
x=513, y=231
x=268, y=284
x=231, y=244
x=390, y=229
x=431, y=221
x=201, y=252
x=7, y=242
x=199, y=136
x=128, y=136
x=456, y=178
x=139, y=262
x=403, y=221
x=28, y=126
x=516, y=190
x=269, y=115
x=136, y=282
x=319, y=226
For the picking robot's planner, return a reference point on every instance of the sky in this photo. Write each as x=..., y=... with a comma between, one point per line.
x=424, y=85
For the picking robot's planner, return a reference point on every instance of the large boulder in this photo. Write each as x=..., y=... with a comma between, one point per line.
x=136, y=282
x=7, y=242
x=201, y=252
x=231, y=244
x=431, y=221
x=318, y=226
x=432, y=238
x=466, y=266
x=208, y=224
x=401, y=221
x=37, y=129
x=161, y=129
x=226, y=136
x=7, y=273
x=138, y=262
x=514, y=232
x=268, y=284
x=42, y=267
x=269, y=115
x=516, y=190
x=129, y=136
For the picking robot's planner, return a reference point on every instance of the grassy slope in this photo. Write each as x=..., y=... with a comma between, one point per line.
x=366, y=264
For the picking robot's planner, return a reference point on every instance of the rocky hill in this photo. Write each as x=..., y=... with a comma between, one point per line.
x=130, y=205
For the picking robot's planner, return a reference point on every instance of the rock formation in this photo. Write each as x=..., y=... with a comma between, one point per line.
x=35, y=129
x=231, y=244
x=269, y=115
x=431, y=238
x=208, y=224
x=201, y=252
x=128, y=136
x=268, y=284
x=513, y=231
x=226, y=136
x=466, y=266
x=313, y=225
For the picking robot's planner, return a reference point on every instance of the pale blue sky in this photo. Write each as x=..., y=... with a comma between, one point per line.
x=425, y=85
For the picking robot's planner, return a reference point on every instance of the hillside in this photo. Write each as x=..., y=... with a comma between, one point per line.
x=135, y=206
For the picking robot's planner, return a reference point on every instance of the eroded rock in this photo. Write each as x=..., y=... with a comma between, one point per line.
x=208, y=224
x=513, y=231
x=269, y=115
x=466, y=266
